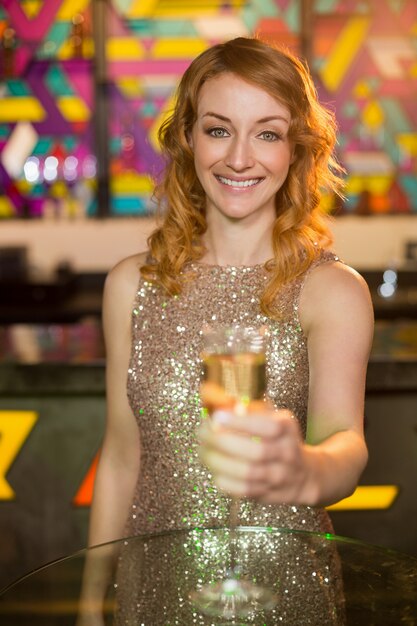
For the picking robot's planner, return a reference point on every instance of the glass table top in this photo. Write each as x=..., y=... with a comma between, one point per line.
x=146, y=580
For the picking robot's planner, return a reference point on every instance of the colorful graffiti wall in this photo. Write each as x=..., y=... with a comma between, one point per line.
x=363, y=57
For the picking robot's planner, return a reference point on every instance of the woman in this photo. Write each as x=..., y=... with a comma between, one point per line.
x=249, y=151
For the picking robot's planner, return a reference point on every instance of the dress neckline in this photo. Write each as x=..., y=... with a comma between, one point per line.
x=196, y=265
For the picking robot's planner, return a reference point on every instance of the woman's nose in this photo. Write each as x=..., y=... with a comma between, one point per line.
x=239, y=156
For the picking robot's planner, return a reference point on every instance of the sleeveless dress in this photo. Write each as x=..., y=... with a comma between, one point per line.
x=175, y=490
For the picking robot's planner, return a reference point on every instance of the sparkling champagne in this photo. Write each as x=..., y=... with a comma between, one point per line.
x=240, y=376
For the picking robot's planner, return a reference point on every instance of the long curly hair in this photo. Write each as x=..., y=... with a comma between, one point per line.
x=299, y=230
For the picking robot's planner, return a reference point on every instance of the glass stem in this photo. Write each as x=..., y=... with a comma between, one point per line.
x=234, y=521
x=240, y=410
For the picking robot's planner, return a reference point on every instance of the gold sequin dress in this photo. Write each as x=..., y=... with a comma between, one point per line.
x=174, y=490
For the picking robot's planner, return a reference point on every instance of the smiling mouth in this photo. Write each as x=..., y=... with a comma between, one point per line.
x=250, y=182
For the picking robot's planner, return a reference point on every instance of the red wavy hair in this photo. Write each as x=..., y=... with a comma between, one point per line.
x=299, y=230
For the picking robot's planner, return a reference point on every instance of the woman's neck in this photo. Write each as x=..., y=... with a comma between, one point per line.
x=237, y=243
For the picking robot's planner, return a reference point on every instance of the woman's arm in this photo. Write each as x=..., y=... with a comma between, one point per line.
x=337, y=317
x=264, y=457
x=118, y=466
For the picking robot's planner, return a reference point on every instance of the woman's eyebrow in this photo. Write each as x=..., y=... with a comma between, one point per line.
x=220, y=117
x=263, y=120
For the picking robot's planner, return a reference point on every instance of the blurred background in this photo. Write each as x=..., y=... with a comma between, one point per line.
x=84, y=86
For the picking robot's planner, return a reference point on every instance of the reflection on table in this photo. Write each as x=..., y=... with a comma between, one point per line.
x=317, y=579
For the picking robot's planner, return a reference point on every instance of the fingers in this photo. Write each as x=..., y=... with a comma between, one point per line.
x=266, y=482
x=237, y=445
x=255, y=455
x=221, y=464
x=240, y=488
x=258, y=438
x=249, y=457
x=236, y=476
x=265, y=424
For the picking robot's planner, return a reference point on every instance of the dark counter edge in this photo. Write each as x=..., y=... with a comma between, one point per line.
x=46, y=379
x=70, y=298
x=384, y=374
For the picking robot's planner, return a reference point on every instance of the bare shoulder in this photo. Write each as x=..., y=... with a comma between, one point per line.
x=333, y=275
x=119, y=290
x=335, y=290
x=123, y=278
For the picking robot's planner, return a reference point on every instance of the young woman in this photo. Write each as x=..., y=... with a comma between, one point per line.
x=248, y=152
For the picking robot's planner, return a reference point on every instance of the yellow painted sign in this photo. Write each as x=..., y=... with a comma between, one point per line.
x=367, y=497
x=15, y=427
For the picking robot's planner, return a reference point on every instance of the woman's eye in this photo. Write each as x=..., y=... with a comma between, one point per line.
x=218, y=132
x=269, y=135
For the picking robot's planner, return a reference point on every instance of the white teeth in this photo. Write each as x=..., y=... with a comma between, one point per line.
x=238, y=183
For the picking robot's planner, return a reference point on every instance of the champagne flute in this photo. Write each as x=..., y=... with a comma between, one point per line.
x=233, y=375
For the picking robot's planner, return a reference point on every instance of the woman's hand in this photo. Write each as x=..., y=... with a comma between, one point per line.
x=260, y=455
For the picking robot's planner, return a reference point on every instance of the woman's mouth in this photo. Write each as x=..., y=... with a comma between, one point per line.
x=238, y=184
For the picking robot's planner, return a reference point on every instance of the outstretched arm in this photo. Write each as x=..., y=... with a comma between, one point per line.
x=264, y=457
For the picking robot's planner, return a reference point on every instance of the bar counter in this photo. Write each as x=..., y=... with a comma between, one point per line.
x=52, y=403
x=67, y=297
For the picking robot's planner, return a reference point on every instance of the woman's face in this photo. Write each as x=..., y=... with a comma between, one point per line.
x=241, y=149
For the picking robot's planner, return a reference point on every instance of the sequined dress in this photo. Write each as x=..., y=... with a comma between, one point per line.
x=175, y=491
